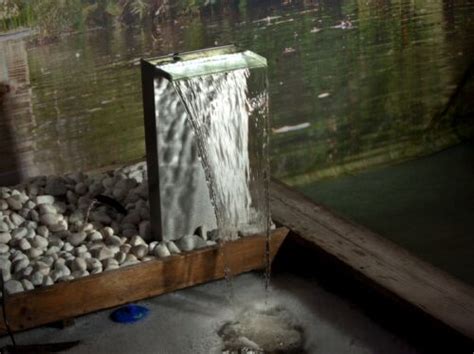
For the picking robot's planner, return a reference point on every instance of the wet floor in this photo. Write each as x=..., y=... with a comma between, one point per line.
x=352, y=84
x=188, y=321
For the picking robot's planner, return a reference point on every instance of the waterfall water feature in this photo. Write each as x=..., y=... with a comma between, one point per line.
x=211, y=118
x=219, y=108
x=224, y=99
x=222, y=143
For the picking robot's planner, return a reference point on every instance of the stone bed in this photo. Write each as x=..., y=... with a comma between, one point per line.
x=51, y=230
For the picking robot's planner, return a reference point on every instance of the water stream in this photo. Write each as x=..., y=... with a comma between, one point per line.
x=228, y=113
x=229, y=116
x=216, y=106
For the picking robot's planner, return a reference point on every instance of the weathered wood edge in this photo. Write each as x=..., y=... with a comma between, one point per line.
x=112, y=288
x=389, y=266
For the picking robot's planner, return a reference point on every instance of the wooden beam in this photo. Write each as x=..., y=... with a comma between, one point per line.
x=389, y=266
x=105, y=290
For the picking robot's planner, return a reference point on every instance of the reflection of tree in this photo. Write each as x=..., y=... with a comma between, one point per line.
x=388, y=78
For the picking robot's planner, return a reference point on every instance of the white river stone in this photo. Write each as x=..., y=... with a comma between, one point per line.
x=14, y=202
x=78, y=264
x=4, y=227
x=107, y=231
x=76, y=217
x=37, y=278
x=110, y=263
x=35, y=252
x=113, y=241
x=93, y=264
x=30, y=224
x=139, y=251
x=27, y=285
x=172, y=247
x=5, y=237
x=42, y=231
x=33, y=215
x=44, y=199
x=49, y=219
x=95, y=236
x=161, y=251
x=190, y=242
x=60, y=207
x=3, y=204
x=151, y=246
x=52, y=250
x=20, y=264
x=77, y=238
x=24, y=245
x=47, y=281
x=27, y=271
x=42, y=267
x=88, y=227
x=13, y=286
x=102, y=253
x=68, y=247
x=16, y=255
x=17, y=219
x=60, y=226
x=39, y=242
x=79, y=274
x=93, y=246
x=85, y=255
x=136, y=240
x=5, y=266
x=47, y=209
x=120, y=257
x=79, y=250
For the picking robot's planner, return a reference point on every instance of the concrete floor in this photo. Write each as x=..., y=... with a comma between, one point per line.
x=186, y=321
x=425, y=205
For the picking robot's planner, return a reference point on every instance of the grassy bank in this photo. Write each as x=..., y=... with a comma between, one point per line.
x=53, y=17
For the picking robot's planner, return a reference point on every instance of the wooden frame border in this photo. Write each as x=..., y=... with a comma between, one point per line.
x=383, y=263
x=112, y=288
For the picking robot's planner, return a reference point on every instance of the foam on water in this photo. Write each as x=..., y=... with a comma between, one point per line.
x=263, y=330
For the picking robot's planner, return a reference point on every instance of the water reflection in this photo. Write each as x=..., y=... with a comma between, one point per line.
x=16, y=111
x=368, y=77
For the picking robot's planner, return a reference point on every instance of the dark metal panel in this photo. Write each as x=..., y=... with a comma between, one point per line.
x=148, y=73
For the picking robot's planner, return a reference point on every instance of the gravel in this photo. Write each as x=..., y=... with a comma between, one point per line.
x=52, y=229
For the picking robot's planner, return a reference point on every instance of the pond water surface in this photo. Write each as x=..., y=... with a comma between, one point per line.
x=353, y=84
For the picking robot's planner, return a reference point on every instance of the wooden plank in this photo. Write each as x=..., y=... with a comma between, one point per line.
x=431, y=290
x=100, y=291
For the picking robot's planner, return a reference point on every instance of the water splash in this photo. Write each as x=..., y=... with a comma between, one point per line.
x=263, y=330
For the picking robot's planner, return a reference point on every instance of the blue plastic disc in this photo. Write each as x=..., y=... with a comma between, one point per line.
x=129, y=314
